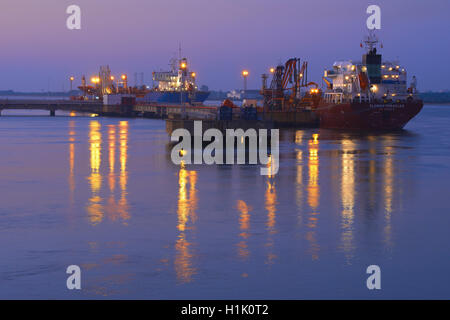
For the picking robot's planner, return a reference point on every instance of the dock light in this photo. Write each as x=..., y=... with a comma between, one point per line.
x=71, y=82
x=124, y=77
x=374, y=88
x=95, y=80
x=183, y=65
x=112, y=78
x=193, y=74
x=245, y=74
x=353, y=67
x=272, y=70
x=364, y=68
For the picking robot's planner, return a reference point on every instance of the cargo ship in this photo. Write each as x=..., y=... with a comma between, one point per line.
x=368, y=95
x=177, y=86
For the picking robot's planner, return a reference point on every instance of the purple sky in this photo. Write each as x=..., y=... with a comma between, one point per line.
x=220, y=38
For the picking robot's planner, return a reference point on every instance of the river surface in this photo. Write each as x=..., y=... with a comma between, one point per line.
x=103, y=194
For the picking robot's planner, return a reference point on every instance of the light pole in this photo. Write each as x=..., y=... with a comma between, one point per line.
x=245, y=74
x=71, y=81
x=125, y=82
x=183, y=67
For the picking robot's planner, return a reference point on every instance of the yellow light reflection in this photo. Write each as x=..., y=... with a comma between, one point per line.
x=112, y=157
x=271, y=200
x=347, y=196
x=71, y=178
x=313, y=166
x=313, y=195
x=244, y=226
x=187, y=204
x=299, y=184
x=95, y=208
x=388, y=192
x=122, y=206
x=299, y=137
x=71, y=157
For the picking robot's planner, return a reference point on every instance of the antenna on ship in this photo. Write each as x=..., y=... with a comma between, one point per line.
x=371, y=41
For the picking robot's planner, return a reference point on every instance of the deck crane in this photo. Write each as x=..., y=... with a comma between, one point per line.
x=284, y=93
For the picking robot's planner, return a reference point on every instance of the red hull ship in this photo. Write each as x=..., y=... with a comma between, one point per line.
x=368, y=95
x=368, y=115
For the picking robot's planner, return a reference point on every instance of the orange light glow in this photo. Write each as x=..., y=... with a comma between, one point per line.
x=245, y=73
x=95, y=79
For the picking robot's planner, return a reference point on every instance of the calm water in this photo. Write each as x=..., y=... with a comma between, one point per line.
x=103, y=194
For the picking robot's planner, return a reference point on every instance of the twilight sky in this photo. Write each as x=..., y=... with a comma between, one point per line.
x=219, y=37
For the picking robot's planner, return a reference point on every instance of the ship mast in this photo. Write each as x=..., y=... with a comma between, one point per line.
x=371, y=41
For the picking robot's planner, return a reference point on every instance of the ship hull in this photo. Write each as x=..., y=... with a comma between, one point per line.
x=175, y=97
x=368, y=116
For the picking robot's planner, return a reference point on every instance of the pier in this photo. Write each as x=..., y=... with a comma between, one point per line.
x=52, y=105
x=122, y=110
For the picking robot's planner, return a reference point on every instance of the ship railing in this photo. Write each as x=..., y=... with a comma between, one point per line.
x=334, y=97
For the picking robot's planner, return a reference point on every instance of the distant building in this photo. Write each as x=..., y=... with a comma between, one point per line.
x=234, y=95
x=244, y=94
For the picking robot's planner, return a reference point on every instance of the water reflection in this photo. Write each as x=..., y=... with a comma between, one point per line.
x=348, y=194
x=388, y=189
x=313, y=196
x=270, y=201
x=372, y=173
x=122, y=205
x=114, y=209
x=299, y=174
x=71, y=161
x=187, y=205
x=244, y=226
x=112, y=159
x=95, y=207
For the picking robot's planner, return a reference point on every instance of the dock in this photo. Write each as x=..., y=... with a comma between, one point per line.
x=122, y=110
x=52, y=105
